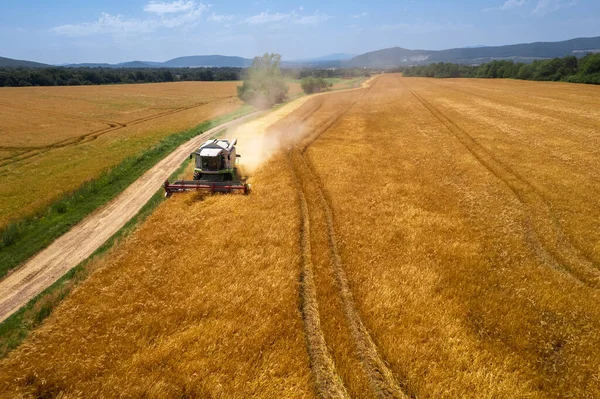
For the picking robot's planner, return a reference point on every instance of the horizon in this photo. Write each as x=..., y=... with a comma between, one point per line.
x=112, y=32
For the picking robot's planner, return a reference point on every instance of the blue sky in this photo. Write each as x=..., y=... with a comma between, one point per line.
x=116, y=31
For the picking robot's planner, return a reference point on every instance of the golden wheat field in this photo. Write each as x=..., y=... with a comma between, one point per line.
x=52, y=139
x=417, y=238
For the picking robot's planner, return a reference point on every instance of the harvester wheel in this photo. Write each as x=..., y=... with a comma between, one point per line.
x=197, y=175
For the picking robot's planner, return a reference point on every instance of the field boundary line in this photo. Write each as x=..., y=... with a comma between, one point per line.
x=559, y=249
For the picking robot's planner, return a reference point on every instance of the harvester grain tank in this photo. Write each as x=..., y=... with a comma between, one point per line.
x=214, y=170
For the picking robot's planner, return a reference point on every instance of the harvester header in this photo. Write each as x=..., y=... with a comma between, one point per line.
x=214, y=170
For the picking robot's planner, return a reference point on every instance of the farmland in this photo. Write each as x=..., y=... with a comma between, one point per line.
x=52, y=139
x=418, y=238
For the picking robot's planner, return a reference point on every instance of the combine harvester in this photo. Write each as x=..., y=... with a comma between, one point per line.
x=214, y=171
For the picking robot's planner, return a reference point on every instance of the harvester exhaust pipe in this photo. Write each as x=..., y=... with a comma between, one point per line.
x=231, y=145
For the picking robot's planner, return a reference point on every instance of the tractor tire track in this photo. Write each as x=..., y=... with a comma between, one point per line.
x=327, y=381
x=544, y=228
x=382, y=381
x=63, y=114
x=88, y=137
x=540, y=108
x=327, y=125
x=33, y=151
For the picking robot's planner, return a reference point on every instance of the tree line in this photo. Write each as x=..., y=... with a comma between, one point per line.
x=566, y=69
x=61, y=76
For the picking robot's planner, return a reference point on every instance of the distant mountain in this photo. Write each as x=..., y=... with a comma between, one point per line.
x=336, y=57
x=152, y=64
x=10, y=63
x=222, y=61
x=329, y=57
x=385, y=58
x=398, y=56
x=88, y=65
x=326, y=61
x=193, y=61
x=207, y=61
x=390, y=57
x=133, y=64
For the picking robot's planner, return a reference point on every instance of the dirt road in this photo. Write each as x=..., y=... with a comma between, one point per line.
x=82, y=240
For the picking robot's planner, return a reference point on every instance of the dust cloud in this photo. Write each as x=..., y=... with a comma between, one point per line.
x=257, y=142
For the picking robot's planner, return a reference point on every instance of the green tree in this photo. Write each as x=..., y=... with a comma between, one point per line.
x=590, y=64
x=264, y=84
x=525, y=72
x=168, y=76
x=570, y=65
x=311, y=84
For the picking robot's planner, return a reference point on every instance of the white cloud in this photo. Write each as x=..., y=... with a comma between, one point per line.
x=362, y=14
x=507, y=5
x=311, y=19
x=106, y=23
x=546, y=6
x=166, y=8
x=119, y=25
x=185, y=19
x=220, y=18
x=266, y=17
x=510, y=4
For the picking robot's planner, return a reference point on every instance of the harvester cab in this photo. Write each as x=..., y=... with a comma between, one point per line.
x=215, y=161
x=214, y=170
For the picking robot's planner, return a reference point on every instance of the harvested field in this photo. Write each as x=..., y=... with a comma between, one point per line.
x=52, y=139
x=417, y=238
x=336, y=84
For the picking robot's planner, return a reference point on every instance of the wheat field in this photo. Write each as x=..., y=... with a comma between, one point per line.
x=418, y=238
x=52, y=139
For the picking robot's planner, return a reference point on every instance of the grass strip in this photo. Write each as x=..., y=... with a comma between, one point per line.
x=17, y=327
x=348, y=83
x=21, y=239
